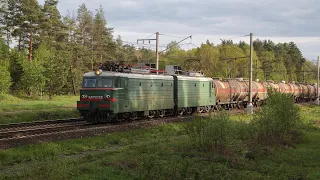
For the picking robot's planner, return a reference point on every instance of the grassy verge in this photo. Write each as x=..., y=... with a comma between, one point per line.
x=163, y=152
x=14, y=109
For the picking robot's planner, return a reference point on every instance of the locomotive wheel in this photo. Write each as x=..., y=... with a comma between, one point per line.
x=218, y=107
x=257, y=103
x=126, y=116
x=152, y=114
x=134, y=116
x=201, y=109
x=118, y=118
x=170, y=112
x=181, y=111
x=207, y=108
x=189, y=110
x=162, y=113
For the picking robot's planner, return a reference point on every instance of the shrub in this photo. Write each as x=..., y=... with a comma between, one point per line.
x=212, y=133
x=5, y=80
x=278, y=122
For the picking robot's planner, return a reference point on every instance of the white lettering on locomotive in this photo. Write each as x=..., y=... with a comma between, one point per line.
x=95, y=97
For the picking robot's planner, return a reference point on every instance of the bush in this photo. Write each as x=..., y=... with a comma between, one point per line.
x=278, y=122
x=5, y=80
x=210, y=134
x=32, y=79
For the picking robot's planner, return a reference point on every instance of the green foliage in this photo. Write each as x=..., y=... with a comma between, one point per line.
x=33, y=79
x=5, y=80
x=54, y=70
x=126, y=52
x=103, y=45
x=147, y=55
x=210, y=134
x=209, y=61
x=278, y=122
x=16, y=69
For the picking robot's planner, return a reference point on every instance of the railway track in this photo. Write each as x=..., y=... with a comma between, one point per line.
x=20, y=130
x=13, y=135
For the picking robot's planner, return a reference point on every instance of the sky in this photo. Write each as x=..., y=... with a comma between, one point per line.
x=277, y=20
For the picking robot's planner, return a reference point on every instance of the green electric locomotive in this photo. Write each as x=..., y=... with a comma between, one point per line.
x=112, y=96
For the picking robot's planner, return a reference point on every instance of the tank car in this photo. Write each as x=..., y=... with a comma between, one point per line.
x=260, y=93
x=311, y=92
x=296, y=91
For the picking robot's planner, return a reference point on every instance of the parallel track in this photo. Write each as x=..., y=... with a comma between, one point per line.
x=13, y=135
x=38, y=123
x=19, y=130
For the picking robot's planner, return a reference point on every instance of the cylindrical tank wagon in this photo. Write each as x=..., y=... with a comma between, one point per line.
x=231, y=93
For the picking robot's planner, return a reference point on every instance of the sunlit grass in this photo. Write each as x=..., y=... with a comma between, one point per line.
x=163, y=152
x=11, y=103
x=23, y=109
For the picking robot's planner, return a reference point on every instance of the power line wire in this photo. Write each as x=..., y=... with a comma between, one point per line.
x=171, y=35
x=175, y=44
x=149, y=36
x=237, y=37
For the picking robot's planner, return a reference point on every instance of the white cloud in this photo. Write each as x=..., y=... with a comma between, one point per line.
x=278, y=20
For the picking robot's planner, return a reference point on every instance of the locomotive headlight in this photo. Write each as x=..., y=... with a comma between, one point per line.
x=98, y=71
x=84, y=96
x=106, y=96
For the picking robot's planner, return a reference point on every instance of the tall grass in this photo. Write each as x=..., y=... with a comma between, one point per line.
x=212, y=133
x=277, y=124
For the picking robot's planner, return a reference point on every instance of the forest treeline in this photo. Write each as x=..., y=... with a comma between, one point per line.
x=42, y=52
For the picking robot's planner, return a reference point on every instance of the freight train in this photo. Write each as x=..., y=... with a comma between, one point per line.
x=115, y=95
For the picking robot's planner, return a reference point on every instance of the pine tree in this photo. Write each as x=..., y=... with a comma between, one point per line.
x=22, y=20
x=84, y=35
x=53, y=29
x=31, y=19
x=103, y=46
x=13, y=21
x=4, y=31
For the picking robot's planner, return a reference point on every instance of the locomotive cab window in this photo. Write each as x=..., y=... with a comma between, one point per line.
x=89, y=83
x=105, y=83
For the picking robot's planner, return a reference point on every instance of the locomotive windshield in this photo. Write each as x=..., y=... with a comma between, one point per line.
x=89, y=83
x=100, y=83
x=107, y=83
